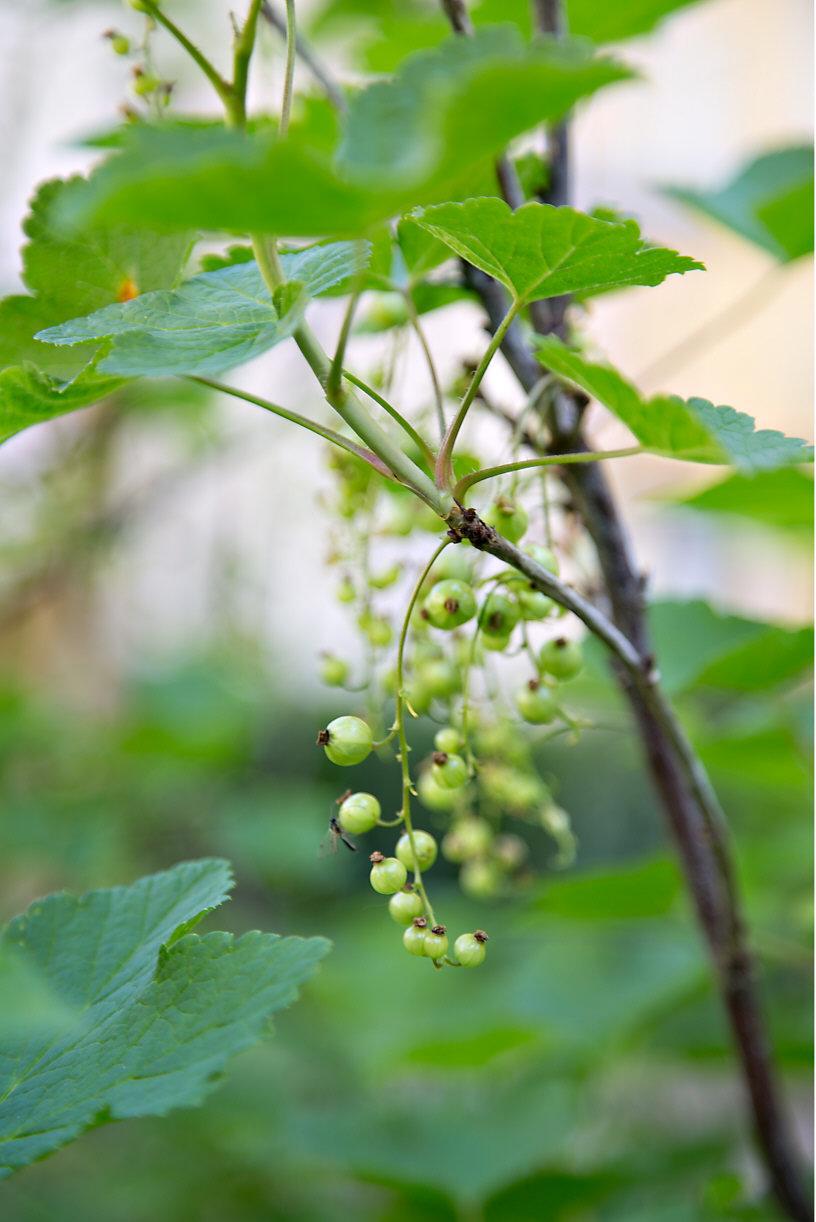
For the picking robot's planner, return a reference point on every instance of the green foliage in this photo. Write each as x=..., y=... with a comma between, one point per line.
x=769, y=201
x=418, y=137
x=214, y=321
x=691, y=429
x=69, y=274
x=781, y=499
x=155, y=1011
x=539, y=251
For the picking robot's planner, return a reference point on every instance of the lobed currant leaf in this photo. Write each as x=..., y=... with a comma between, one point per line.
x=154, y=1011
x=213, y=322
x=539, y=251
x=690, y=429
x=769, y=202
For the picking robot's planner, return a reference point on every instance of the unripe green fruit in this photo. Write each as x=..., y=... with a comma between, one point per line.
x=440, y=678
x=561, y=658
x=515, y=790
x=510, y=851
x=536, y=703
x=425, y=846
x=345, y=591
x=144, y=83
x=120, y=44
x=436, y=942
x=449, y=604
x=449, y=771
x=433, y=795
x=414, y=937
x=346, y=741
x=481, y=880
x=333, y=670
x=448, y=740
x=455, y=563
x=543, y=556
x=381, y=581
x=498, y=616
x=378, y=630
x=359, y=813
x=404, y=906
x=470, y=948
x=387, y=874
x=401, y=517
x=389, y=310
x=534, y=605
x=508, y=518
x=467, y=839
x=496, y=644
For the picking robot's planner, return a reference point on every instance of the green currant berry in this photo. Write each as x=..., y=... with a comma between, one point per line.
x=470, y=948
x=496, y=644
x=440, y=678
x=433, y=795
x=401, y=517
x=346, y=592
x=481, y=880
x=508, y=518
x=561, y=658
x=516, y=790
x=346, y=741
x=389, y=310
x=536, y=703
x=378, y=631
x=382, y=581
x=387, y=874
x=510, y=851
x=449, y=604
x=543, y=556
x=454, y=563
x=448, y=740
x=333, y=670
x=144, y=83
x=436, y=942
x=467, y=839
x=499, y=615
x=534, y=605
x=359, y=813
x=449, y=771
x=425, y=846
x=414, y=937
x=119, y=43
x=405, y=905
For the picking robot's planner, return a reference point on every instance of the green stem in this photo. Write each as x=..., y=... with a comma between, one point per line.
x=336, y=370
x=416, y=326
x=400, y=724
x=242, y=54
x=443, y=462
x=221, y=87
x=393, y=413
x=552, y=460
x=289, y=74
x=336, y=439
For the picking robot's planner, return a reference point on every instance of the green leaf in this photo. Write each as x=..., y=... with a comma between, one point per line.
x=700, y=647
x=782, y=499
x=690, y=429
x=157, y=1014
x=71, y=274
x=449, y=108
x=539, y=251
x=769, y=201
x=410, y=140
x=213, y=322
x=644, y=889
x=613, y=22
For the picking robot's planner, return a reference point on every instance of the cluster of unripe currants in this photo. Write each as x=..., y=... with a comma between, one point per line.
x=415, y=851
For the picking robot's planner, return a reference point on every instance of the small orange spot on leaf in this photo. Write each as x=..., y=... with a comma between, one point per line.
x=127, y=290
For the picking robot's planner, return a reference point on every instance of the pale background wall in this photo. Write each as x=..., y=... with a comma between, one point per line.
x=721, y=81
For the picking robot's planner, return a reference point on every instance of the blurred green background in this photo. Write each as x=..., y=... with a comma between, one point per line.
x=150, y=714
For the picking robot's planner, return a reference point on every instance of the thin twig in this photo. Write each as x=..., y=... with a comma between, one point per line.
x=305, y=52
